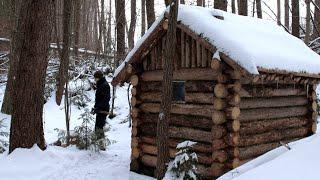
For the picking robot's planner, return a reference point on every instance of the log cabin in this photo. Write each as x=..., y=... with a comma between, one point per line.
x=241, y=88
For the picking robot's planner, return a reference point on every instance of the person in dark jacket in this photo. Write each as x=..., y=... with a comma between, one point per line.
x=101, y=107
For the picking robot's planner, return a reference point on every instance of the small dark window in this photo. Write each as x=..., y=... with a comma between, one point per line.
x=178, y=92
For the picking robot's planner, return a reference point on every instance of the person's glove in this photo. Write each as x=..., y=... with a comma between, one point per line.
x=93, y=111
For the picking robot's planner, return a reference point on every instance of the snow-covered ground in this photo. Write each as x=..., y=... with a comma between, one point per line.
x=58, y=163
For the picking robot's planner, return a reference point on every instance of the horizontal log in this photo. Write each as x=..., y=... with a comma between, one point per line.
x=248, y=115
x=197, y=98
x=246, y=103
x=186, y=133
x=152, y=150
x=201, y=98
x=245, y=92
x=251, y=91
x=185, y=109
x=185, y=75
x=179, y=120
x=249, y=103
x=190, y=86
x=257, y=127
x=198, y=147
x=273, y=136
x=257, y=150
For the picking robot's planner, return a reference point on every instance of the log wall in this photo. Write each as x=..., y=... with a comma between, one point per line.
x=272, y=115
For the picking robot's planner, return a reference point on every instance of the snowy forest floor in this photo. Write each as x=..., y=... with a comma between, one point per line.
x=58, y=163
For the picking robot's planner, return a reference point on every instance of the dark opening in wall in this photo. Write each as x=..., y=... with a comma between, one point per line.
x=178, y=91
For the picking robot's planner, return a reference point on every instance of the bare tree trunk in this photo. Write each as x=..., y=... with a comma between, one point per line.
x=295, y=18
x=259, y=10
x=62, y=77
x=233, y=6
x=199, y=2
x=278, y=12
x=308, y=24
x=103, y=24
x=150, y=12
x=221, y=4
x=109, y=40
x=243, y=7
x=7, y=100
x=316, y=19
x=164, y=116
x=286, y=14
x=121, y=45
x=32, y=45
x=182, y=2
x=63, y=69
x=132, y=24
x=253, y=7
x=143, y=17
x=77, y=9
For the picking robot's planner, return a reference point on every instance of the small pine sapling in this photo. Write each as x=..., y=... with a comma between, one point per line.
x=88, y=139
x=184, y=166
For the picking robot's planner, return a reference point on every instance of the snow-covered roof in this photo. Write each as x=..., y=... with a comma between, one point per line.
x=252, y=43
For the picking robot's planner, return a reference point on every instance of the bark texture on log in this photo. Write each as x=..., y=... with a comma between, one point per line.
x=257, y=150
x=190, y=86
x=185, y=75
x=198, y=147
x=179, y=120
x=185, y=109
x=248, y=115
x=257, y=127
x=249, y=103
x=273, y=136
x=186, y=133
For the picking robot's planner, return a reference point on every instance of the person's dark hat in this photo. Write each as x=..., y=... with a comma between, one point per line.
x=98, y=74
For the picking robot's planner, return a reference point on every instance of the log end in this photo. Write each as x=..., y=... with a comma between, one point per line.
x=215, y=64
x=314, y=127
x=218, y=117
x=134, y=80
x=135, y=112
x=220, y=91
x=135, y=153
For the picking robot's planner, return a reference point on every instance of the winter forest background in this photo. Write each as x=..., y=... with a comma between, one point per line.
x=86, y=36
